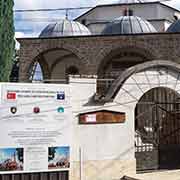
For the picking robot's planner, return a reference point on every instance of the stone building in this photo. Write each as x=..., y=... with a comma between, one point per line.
x=137, y=70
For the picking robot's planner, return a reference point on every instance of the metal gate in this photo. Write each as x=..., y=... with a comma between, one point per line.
x=62, y=175
x=157, y=130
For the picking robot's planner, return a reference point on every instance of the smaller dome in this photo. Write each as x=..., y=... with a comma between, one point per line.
x=128, y=25
x=174, y=27
x=65, y=28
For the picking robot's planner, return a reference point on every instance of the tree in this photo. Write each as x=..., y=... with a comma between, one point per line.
x=7, y=42
x=14, y=76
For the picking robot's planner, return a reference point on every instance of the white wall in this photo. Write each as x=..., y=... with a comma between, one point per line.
x=102, y=141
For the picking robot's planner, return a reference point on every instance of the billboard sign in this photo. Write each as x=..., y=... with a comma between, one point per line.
x=36, y=122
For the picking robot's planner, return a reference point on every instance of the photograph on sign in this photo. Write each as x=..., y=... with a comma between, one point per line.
x=58, y=157
x=11, y=159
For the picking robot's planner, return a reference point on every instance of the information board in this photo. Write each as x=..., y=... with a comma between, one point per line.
x=35, y=128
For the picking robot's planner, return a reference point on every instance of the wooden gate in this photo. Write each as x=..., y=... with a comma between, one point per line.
x=157, y=130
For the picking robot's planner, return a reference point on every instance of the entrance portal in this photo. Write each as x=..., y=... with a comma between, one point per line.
x=157, y=130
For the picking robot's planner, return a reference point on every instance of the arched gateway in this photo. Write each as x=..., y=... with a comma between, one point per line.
x=151, y=90
x=157, y=129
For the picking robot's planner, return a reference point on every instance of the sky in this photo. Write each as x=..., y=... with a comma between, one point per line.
x=6, y=154
x=30, y=24
x=33, y=23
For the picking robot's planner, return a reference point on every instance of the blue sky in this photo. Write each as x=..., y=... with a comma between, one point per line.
x=34, y=22
x=63, y=151
x=6, y=154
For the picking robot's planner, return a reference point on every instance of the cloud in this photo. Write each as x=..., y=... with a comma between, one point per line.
x=19, y=34
x=34, y=22
x=22, y=4
x=173, y=3
x=31, y=23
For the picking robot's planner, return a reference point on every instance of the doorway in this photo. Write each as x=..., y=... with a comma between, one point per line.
x=157, y=130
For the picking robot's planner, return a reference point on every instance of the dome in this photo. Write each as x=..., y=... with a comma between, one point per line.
x=128, y=25
x=174, y=27
x=65, y=28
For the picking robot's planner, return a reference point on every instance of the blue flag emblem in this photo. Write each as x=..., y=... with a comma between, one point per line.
x=60, y=95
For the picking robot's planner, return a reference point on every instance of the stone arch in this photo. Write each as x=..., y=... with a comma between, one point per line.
x=48, y=64
x=58, y=60
x=50, y=46
x=162, y=87
x=144, y=54
x=76, y=62
x=141, y=47
x=118, y=85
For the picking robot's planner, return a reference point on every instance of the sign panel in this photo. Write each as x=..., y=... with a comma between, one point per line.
x=102, y=117
x=35, y=130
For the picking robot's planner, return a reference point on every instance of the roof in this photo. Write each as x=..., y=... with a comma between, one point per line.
x=64, y=28
x=128, y=25
x=101, y=110
x=129, y=4
x=175, y=27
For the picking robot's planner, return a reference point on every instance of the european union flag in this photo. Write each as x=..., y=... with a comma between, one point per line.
x=61, y=96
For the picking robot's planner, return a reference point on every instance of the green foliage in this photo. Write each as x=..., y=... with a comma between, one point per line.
x=14, y=77
x=7, y=42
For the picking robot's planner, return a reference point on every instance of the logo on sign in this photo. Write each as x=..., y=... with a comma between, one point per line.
x=11, y=95
x=60, y=95
x=36, y=110
x=60, y=110
x=13, y=110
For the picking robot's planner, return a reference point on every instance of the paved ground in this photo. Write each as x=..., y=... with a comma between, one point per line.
x=160, y=175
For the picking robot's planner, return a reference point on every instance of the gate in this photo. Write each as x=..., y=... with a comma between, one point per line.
x=157, y=130
x=62, y=175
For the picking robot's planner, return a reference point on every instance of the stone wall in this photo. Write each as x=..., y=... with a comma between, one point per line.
x=93, y=51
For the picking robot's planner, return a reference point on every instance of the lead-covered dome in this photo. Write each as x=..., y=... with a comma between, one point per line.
x=174, y=27
x=65, y=28
x=128, y=25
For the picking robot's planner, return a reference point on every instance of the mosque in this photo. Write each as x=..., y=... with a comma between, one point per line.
x=123, y=64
